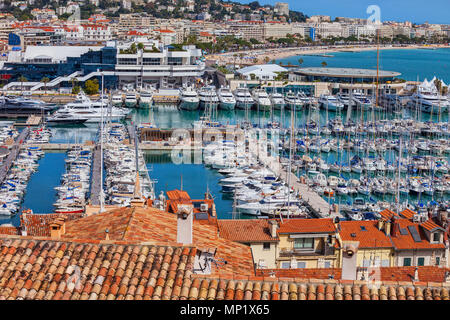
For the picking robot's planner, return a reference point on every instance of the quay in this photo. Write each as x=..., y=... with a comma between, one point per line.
x=14, y=152
x=96, y=176
x=318, y=206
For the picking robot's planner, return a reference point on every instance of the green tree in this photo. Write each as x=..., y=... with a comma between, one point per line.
x=76, y=89
x=300, y=62
x=91, y=87
x=324, y=64
x=140, y=46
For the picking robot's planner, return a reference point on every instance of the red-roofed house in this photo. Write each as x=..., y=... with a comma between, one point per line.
x=307, y=243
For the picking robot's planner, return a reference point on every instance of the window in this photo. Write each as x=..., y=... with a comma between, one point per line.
x=406, y=262
x=366, y=263
x=421, y=261
x=301, y=265
x=285, y=265
x=172, y=61
x=303, y=243
x=152, y=61
x=436, y=237
x=327, y=264
x=266, y=246
x=385, y=263
x=438, y=261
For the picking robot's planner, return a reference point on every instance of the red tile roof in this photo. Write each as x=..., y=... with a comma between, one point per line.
x=405, y=274
x=307, y=226
x=431, y=226
x=406, y=241
x=387, y=214
x=152, y=225
x=408, y=214
x=371, y=237
x=246, y=230
x=303, y=273
x=40, y=269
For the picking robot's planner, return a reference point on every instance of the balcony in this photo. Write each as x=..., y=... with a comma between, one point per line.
x=327, y=251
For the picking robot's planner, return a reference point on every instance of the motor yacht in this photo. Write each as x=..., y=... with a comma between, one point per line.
x=208, y=97
x=277, y=100
x=145, y=99
x=244, y=99
x=84, y=108
x=330, y=103
x=130, y=100
x=189, y=99
x=293, y=102
x=262, y=99
x=226, y=98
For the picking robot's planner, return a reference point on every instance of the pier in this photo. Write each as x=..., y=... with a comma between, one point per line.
x=318, y=206
x=96, y=176
x=14, y=152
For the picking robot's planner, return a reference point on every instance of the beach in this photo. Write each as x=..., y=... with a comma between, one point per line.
x=260, y=56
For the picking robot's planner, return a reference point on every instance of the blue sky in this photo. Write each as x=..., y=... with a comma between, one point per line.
x=417, y=11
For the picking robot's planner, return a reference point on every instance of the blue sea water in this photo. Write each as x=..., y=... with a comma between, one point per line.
x=413, y=64
x=40, y=194
x=196, y=179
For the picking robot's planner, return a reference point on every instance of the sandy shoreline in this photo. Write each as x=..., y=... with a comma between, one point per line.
x=262, y=55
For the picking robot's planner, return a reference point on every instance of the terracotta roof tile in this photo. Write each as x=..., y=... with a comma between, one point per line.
x=248, y=230
x=307, y=226
x=366, y=233
x=143, y=225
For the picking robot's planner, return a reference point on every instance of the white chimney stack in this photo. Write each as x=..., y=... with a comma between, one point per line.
x=273, y=228
x=185, y=221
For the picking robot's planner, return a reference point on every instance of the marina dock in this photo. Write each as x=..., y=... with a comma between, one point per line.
x=96, y=176
x=314, y=201
x=14, y=152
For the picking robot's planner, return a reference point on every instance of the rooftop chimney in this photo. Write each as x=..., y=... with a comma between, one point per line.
x=106, y=234
x=380, y=224
x=184, y=223
x=387, y=228
x=273, y=228
x=58, y=227
x=416, y=274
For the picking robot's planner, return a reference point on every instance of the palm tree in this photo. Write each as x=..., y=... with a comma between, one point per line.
x=45, y=80
x=22, y=79
x=300, y=62
x=266, y=59
x=74, y=82
x=324, y=64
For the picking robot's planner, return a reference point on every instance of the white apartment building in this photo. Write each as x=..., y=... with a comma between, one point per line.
x=249, y=31
x=158, y=66
x=276, y=30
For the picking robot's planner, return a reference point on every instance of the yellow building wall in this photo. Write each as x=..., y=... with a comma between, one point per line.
x=269, y=256
x=381, y=254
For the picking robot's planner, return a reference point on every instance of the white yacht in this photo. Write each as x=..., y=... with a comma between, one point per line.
x=145, y=99
x=84, y=108
x=117, y=100
x=327, y=101
x=208, y=97
x=262, y=99
x=277, y=100
x=361, y=101
x=130, y=100
x=188, y=99
x=244, y=99
x=343, y=98
x=428, y=99
x=293, y=102
x=226, y=98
